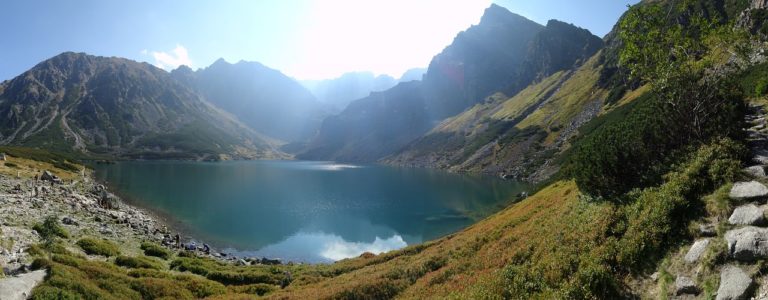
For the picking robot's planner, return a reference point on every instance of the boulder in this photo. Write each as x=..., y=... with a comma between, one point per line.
x=748, y=190
x=696, y=251
x=748, y=214
x=747, y=243
x=756, y=171
x=48, y=176
x=707, y=230
x=685, y=285
x=735, y=284
x=69, y=221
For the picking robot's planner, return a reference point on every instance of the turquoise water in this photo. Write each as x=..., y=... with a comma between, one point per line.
x=307, y=211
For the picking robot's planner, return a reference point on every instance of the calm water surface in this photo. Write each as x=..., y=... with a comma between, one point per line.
x=308, y=211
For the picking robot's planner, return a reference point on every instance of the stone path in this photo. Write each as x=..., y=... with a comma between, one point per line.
x=747, y=234
x=20, y=287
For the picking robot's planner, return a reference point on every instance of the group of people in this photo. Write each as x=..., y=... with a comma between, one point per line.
x=175, y=242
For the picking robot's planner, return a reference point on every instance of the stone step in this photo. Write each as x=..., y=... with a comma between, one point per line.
x=748, y=214
x=734, y=284
x=748, y=190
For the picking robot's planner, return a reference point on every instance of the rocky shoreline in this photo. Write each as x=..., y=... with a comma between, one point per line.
x=86, y=209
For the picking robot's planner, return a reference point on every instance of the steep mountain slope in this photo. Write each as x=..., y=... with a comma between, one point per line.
x=504, y=52
x=262, y=98
x=372, y=127
x=118, y=107
x=515, y=136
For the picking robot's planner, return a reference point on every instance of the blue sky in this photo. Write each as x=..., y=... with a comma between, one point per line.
x=306, y=39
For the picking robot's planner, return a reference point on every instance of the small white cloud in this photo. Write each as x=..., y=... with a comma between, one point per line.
x=144, y=52
x=169, y=61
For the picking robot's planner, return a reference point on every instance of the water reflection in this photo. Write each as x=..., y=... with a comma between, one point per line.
x=323, y=247
x=295, y=210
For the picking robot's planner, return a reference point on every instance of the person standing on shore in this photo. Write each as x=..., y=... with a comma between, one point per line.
x=178, y=240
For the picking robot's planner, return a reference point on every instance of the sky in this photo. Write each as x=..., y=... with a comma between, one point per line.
x=306, y=39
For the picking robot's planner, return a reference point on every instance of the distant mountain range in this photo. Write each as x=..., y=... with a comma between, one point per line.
x=337, y=93
x=264, y=99
x=503, y=98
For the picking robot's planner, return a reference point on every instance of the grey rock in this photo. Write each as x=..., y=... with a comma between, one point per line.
x=760, y=159
x=747, y=243
x=748, y=190
x=707, y=230
x=748, y=214
x=696, y=251
x=735, y=284
x=69, y=221
x=756, y=171
x=685, y=285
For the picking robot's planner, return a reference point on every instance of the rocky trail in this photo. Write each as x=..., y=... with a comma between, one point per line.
x=740, y=241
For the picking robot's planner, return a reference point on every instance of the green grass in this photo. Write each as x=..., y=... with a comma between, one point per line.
x=94, y=246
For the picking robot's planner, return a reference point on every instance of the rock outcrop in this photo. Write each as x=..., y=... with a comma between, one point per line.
x=735, y=284
x=748, y=190
x=696, y=251
x=685, y=285
x=747, y=243
x=748, y=214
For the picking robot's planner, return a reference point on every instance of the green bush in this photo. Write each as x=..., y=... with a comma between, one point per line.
x=761, y=88
x=10, y=165
x=201, y=287
x=239, y=278
x=138, y=262
x=260, y=289
x=94, y=246
x=50, y=229
x=53, y=293
x=152, y=249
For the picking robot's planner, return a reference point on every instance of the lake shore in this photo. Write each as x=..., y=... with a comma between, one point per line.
x=79, y=206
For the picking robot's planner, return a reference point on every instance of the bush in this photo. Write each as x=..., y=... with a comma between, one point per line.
x=239, y=278
x=761, y=88
x=152, y=249
x=50, y=229
x=10, y=165
x=200, y=287
x=260, y=289
x=635, y=152
x=53, y=293
x=138, y=262
x=155, y=288
x=94, y=246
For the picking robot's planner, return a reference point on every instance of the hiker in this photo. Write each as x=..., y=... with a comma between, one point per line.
x=178, y=240
x=206, y=248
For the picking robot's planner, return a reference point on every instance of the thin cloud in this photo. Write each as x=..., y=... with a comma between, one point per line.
x=169, y=61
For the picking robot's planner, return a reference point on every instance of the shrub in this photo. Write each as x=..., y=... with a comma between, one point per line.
x=152, y=249
x=138, y=262
x=260, y=289
x=50, y=229
x=239, y=278
x=94, y=246
x=201, y=287
x=52, y=293
x=761, y=88
x=383, y=289
x=155, y=288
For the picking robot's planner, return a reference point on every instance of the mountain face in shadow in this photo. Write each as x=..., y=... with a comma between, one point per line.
x=264, y=99
x=109, y=106
x=503, y=53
